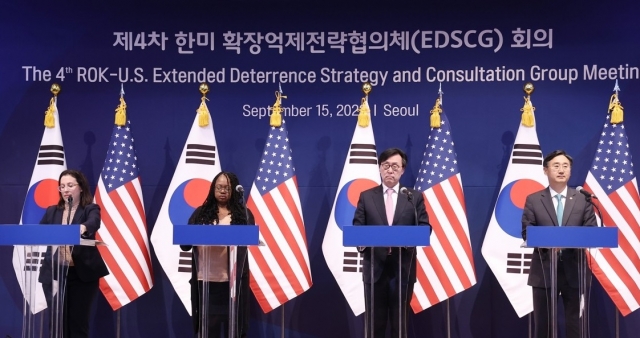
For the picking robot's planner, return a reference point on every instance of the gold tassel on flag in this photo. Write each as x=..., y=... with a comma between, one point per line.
x=528, y=109
x=49, y=120
x=276, y=117
x=203, y=111
x=364, y=114
x=121, y=113
x=435, y=114
x=615, y=107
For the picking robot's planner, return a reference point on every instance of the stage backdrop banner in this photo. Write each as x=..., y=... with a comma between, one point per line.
x=320, y=53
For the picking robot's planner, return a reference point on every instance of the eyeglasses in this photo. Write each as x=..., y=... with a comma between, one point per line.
x=69, y=186
x=386, y=166
x=557, y=167
x=222, y=188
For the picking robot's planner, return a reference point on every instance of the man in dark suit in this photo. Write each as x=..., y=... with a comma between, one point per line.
x=543, y=208
x=386, y=205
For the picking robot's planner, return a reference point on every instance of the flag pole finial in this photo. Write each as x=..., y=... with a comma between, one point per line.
x=203, y=111
x=364, y=116
x=49, y=119
x=528, y=109
x=204, y=88
x=615, y=107
x=276, y=117
x=528, y=88
x=366, y=88
x=55, y=89
x=440, y=93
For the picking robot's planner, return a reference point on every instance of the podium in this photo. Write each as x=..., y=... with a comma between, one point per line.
x=565, y=237
x=385, y=236
x=231, y=236
x=34, y=246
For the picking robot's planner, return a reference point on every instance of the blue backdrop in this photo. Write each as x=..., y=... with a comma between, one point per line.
x=576, y=51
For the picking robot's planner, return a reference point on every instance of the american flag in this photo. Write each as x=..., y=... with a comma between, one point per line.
x=446, y=267
x=124, y=225
x=612, y=180
x=280, y=269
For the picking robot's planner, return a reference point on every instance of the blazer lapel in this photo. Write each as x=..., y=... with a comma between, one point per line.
x=57, y=216
x=378, y=199
x=548, y=205
x=569, y=203
x=78, y=215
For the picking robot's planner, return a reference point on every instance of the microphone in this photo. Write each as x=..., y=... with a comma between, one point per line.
x=581, y=190
x=70, y=200
x=406, y=191
x=588, y=197
x=240, y=189
x=409, y=194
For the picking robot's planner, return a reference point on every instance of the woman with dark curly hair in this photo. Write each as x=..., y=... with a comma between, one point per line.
x=210, y=264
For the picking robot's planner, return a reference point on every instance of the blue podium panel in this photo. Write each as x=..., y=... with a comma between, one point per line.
x=238, y=235
x=39, y=234
x=572, y=237
x=384, y=235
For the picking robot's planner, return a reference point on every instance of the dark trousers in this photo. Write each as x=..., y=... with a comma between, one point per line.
x=542, y=305
x=73, y=312
x=389, y=299
x=215, y=317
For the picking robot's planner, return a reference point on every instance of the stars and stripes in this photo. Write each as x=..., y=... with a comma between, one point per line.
x=446, y=267
x=124, y=225
x=612, y=179
x=280, y=270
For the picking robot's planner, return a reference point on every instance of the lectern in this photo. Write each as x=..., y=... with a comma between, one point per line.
x=230, y=236
x=575, y=237
x=43, y=274
x=386, y=236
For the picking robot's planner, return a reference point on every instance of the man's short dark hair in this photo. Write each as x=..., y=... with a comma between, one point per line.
x=555, y=154
x=391, y=152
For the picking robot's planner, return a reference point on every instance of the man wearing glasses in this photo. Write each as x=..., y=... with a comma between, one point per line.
x=557, y=205
x=389, y=204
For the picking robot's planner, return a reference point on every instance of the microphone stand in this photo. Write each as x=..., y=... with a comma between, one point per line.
x=235, y=329
x=598, y=210
x=402, y=332
x=70, y=200
x=584, y=325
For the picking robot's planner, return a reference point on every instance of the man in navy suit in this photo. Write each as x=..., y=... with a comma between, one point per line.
x=543, y=208
x=387, y=205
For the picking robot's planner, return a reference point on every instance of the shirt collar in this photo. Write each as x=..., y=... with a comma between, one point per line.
x=396, y=188
x=554, y=193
